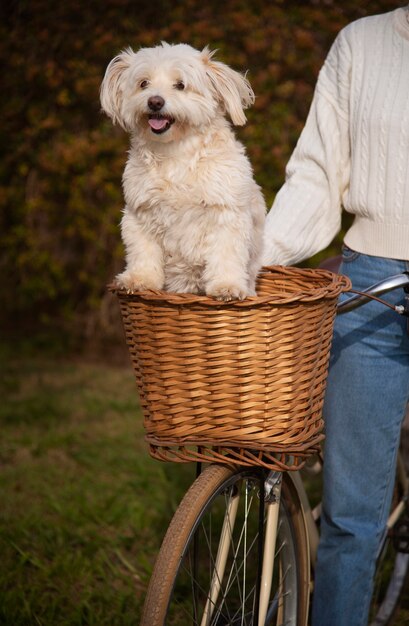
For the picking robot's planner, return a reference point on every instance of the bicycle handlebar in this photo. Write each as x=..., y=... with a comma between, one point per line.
x=384, y=286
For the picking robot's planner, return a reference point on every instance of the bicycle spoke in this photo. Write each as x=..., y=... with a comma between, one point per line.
x=217, y=569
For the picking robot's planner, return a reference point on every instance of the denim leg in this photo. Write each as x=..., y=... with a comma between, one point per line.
x=367, y=392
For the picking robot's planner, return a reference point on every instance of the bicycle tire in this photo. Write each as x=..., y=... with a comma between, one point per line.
x=177, y=598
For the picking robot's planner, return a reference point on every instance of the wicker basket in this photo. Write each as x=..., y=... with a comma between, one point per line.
x=241, y=380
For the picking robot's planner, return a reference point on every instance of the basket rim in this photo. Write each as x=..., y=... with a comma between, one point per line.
x=336, y=284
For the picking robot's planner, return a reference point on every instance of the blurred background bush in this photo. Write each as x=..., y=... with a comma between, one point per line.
x=62, y=161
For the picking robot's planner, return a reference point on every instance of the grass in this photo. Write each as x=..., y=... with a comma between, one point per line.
x=83, y=506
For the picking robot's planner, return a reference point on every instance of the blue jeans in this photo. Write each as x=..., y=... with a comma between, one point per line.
x=367, y=392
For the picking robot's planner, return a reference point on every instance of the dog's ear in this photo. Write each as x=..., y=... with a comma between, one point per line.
x=232, y=89
x=112, y=87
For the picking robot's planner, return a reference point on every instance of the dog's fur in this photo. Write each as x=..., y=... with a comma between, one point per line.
x=194, y=215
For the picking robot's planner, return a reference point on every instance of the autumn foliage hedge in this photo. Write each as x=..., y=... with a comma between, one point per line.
x=61, y=166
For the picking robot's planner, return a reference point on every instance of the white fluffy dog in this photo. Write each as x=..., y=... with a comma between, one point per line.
x=194, y=216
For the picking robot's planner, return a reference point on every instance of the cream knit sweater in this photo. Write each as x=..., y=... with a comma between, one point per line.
x=353, y=151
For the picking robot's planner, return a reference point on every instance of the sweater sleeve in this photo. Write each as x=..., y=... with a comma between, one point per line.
x=306, y=214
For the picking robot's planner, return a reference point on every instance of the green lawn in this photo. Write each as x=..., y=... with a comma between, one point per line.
x=83, y=507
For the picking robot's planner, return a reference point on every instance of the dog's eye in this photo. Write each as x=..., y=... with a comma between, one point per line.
x=180, y=85
x=143, y=84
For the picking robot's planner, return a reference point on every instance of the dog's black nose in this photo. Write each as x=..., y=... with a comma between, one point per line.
x=155, y=103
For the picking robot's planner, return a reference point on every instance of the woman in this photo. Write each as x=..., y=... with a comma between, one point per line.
x=354, y=154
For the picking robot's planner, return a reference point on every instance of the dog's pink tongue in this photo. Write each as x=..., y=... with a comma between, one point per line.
x=157, y=124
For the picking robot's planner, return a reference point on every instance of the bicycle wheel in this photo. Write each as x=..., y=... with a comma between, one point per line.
x=184, y=575
x=392, y=569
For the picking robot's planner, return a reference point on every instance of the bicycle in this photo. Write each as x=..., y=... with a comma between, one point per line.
x=242, y=545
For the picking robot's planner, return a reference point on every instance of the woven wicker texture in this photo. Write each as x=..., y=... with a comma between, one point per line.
x=244, y=379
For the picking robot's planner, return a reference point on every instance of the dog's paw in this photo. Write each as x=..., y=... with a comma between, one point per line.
x=134, y=281
x=227, y=292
